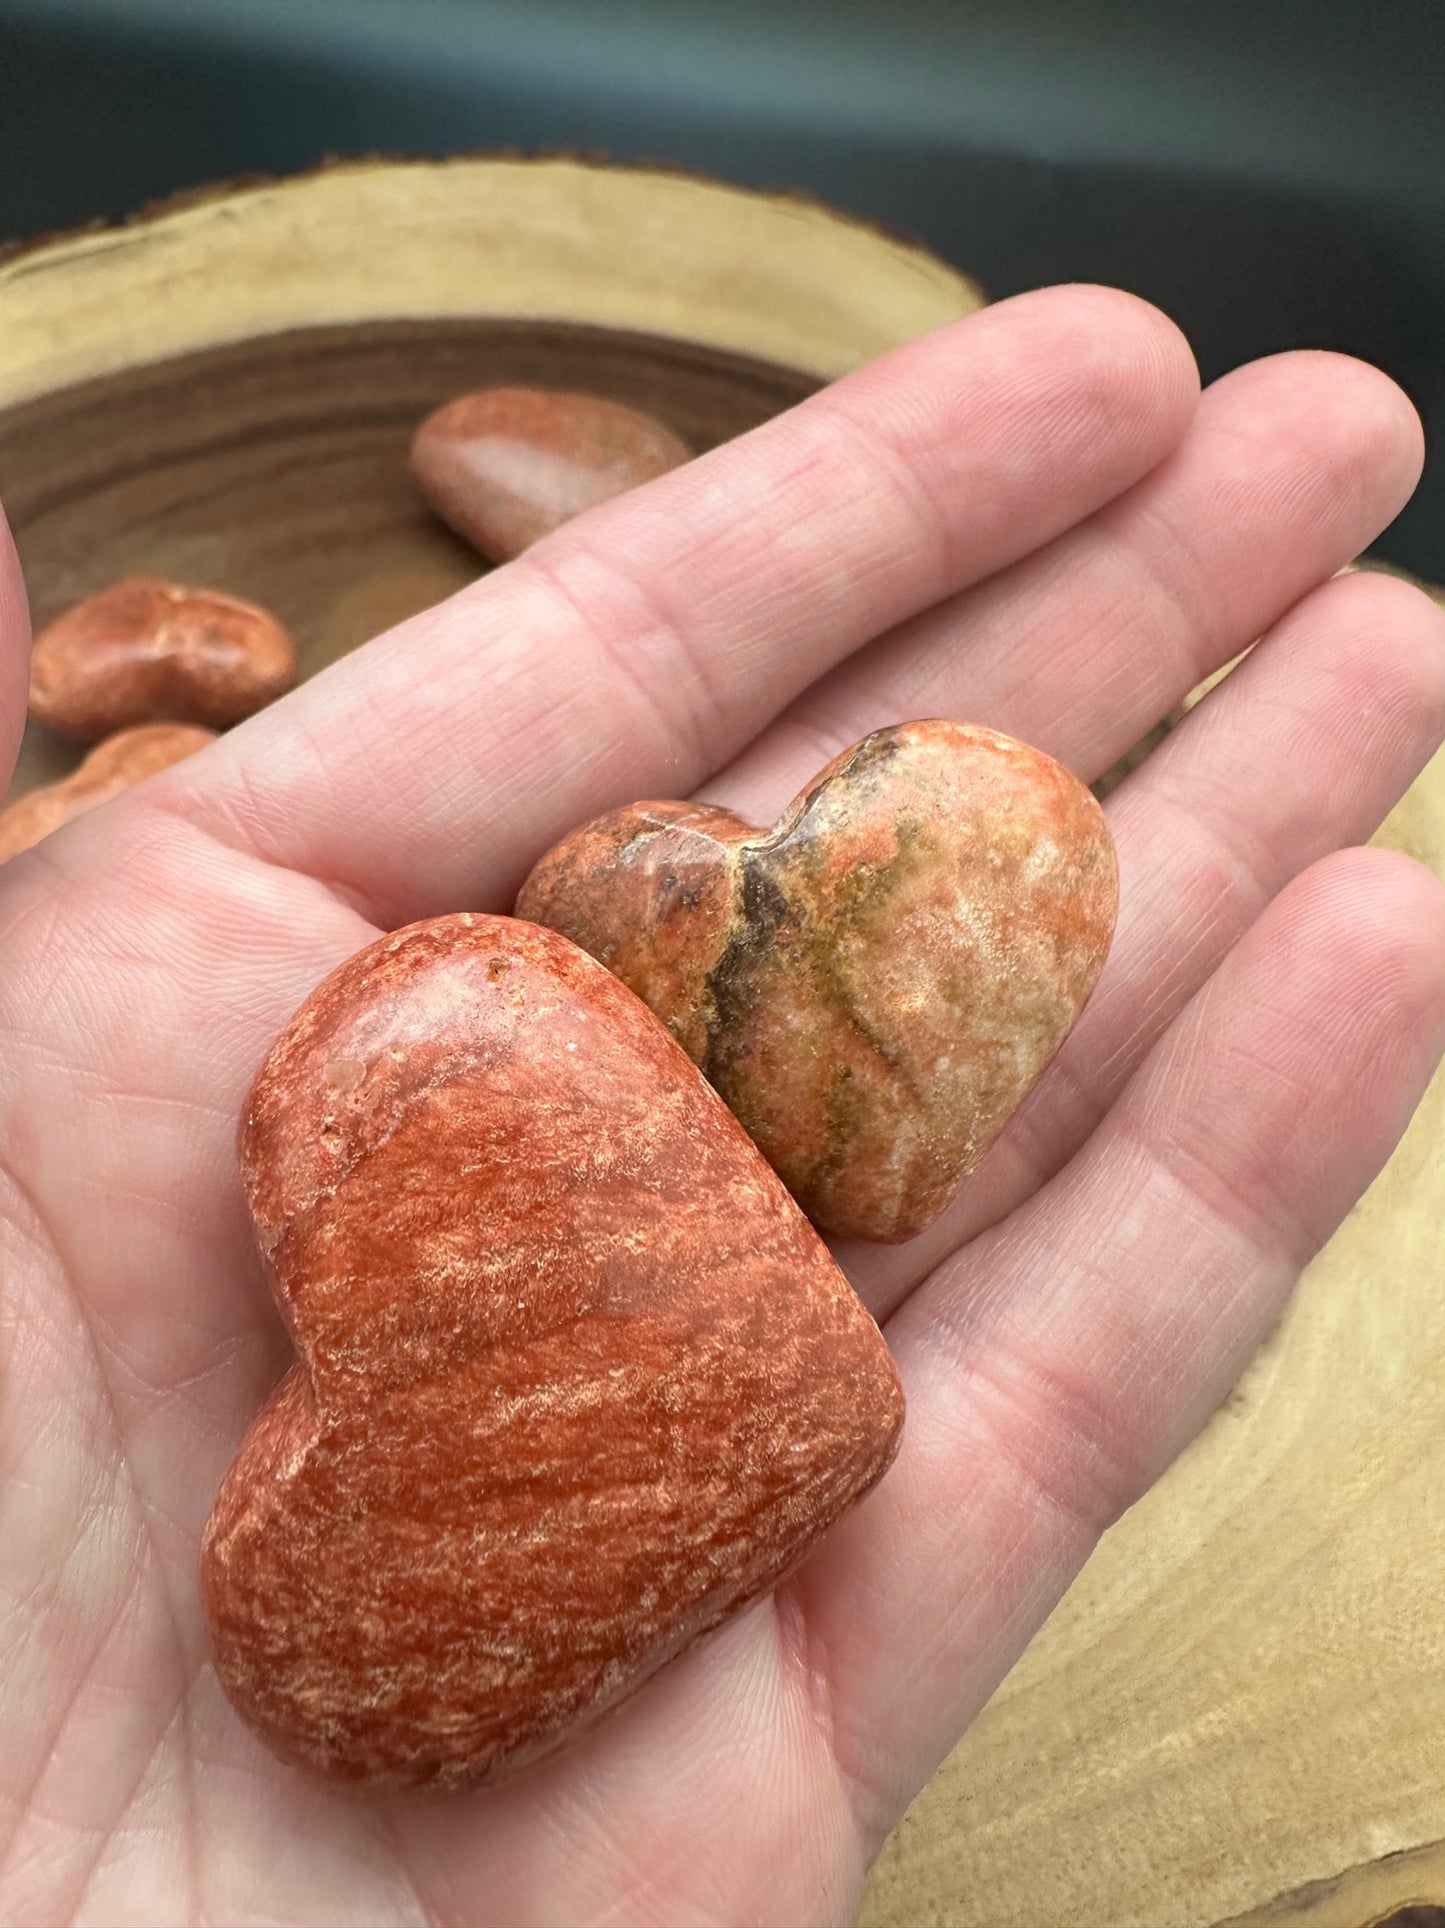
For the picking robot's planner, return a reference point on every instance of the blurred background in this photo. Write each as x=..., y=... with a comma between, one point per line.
x=1272, y=174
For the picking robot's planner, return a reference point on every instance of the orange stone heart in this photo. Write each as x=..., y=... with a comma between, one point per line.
x=147, y=650
x=115, y=765
x=575, y=1379
x=874, y=984
x=506, y=466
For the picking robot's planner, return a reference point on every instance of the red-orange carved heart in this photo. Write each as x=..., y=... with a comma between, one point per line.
x=575, y=1378
x=875, y=983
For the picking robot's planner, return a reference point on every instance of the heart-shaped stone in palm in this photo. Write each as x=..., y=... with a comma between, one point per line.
x=874, y=984
x=575, y=1377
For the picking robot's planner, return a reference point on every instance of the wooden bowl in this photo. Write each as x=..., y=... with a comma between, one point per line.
x=224, y=392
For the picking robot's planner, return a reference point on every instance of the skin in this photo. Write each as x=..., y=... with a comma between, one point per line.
x=1028, y=520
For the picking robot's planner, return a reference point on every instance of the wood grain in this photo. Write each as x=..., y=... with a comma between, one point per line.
x=277, y=469
x=557, y=240
x=1397, y=1891
x=225, y=393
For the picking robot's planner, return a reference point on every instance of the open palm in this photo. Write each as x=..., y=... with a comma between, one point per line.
x=1029, y=520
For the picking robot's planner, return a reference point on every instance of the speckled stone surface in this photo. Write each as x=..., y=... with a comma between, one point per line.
x=575, y=1378
x=874, y=984
x=506, y=466
x=117, y=764
x=146, y=650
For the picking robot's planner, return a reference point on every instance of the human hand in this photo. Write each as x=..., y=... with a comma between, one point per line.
x=1027, y=520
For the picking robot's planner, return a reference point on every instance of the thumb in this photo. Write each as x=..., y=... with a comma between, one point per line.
x=14, y=652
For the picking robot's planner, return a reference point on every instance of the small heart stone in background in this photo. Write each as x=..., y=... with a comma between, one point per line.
x=506, y=466
x=874, y=984
x=146, y=650
x=575, y=1378
x=117, y=764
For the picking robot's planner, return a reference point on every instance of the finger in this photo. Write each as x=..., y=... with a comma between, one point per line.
x=1291, y=467
x=1307, y=746
x=14, y=653
x=1056, y=1366
x=636, y=650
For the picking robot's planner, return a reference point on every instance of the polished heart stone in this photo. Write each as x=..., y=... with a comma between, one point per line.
x=506, y=466
x=115, y=765
x=575, y=1379
x=147, y=650
x=873, y=984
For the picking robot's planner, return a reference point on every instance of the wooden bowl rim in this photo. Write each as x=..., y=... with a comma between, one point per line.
x=772, y=276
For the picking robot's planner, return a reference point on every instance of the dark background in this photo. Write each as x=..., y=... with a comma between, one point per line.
x=1272, y=174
